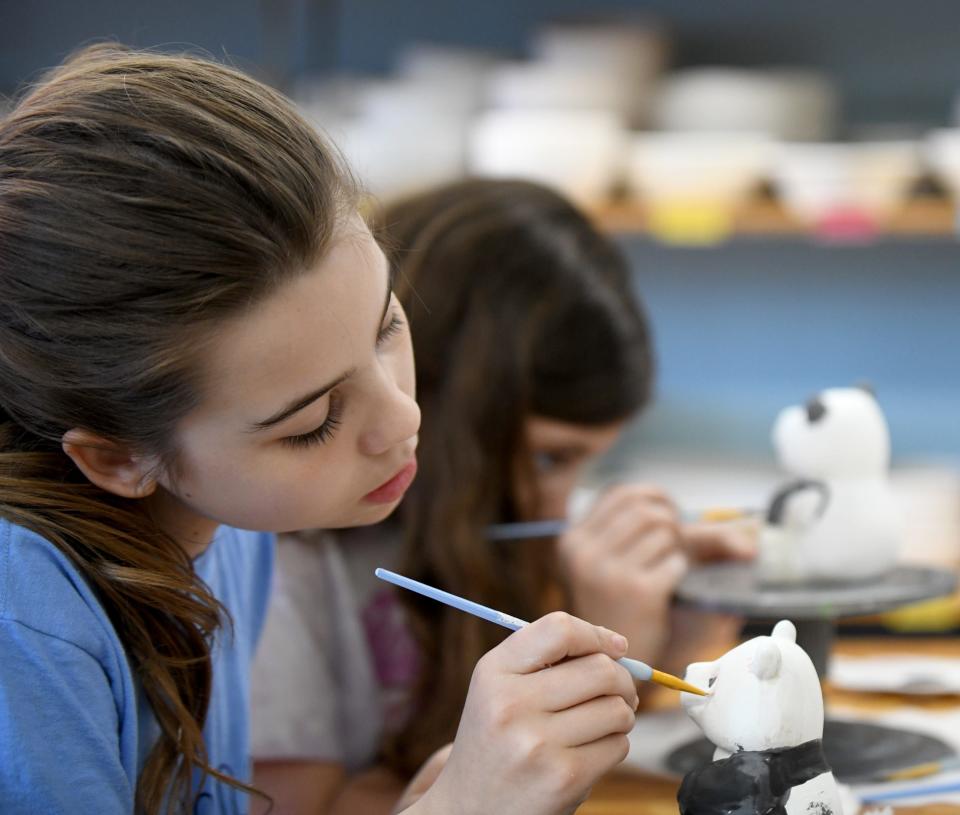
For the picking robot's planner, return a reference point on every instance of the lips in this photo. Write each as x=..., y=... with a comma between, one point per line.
x=393, y=490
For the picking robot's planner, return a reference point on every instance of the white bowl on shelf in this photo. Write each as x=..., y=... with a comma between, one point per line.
x=692, y=184
x=632, y=53
x=787, y=104
x=460, y=74
x=821, y=181
x=544, y=86
x=631, y=49
x=579, y=153
x=406, y=159
x=942, y=153
x=723, y=167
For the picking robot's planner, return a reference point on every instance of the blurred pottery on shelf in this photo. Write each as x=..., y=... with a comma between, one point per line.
x=579, y=153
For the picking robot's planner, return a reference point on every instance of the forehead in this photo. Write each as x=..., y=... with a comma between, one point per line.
x=313, y=328
x=544, y=432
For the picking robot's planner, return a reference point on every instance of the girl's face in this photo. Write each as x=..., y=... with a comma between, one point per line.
x=308, y=417
x=560, y=452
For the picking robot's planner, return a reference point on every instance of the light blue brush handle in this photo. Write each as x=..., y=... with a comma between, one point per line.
x=531, y=530
x=638, y=670
x=912, y=792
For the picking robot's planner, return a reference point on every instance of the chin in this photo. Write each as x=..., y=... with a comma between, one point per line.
x=367, y=515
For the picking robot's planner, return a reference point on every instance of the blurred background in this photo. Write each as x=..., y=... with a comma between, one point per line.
x=782, y=176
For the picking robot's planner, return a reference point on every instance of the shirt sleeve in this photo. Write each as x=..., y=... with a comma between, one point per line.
x=59, y=729
x=295, y=688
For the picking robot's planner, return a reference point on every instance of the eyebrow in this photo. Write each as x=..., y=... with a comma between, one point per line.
x=304, y=401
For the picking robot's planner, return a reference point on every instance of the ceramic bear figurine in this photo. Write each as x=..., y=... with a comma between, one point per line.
x=764, y=714
x=838, y=522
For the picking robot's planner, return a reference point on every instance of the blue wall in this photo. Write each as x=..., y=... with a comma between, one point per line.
x=749, y=327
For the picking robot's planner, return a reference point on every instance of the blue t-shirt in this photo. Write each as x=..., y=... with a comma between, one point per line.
x=75, y=728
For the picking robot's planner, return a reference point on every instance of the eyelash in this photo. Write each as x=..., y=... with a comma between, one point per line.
x=323, y=433
x=326, y=431
x=390, y=329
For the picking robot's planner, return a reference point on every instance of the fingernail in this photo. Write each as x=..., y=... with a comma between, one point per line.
x=620, y=643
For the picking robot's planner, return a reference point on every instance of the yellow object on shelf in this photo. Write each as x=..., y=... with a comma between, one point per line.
x=942, y=614
x=697, y=223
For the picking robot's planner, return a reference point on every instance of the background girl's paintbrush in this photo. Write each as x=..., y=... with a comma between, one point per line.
x=529, y=530
x=922, y=770
x=638, y=670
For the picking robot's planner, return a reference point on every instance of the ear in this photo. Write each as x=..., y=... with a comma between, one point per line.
x=866, y=387
x=765, y=662
x=785, y=630
x=112, y=467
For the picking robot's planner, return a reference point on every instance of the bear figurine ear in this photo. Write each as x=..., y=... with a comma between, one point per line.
x=867, y=387
x=765, y=663
x=785, y=630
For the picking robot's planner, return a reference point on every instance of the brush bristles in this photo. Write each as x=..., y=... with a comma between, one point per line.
x=671, y=681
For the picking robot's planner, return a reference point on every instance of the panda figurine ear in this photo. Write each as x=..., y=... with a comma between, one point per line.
x=765, y=663
x=866, y=387
x=785, y=630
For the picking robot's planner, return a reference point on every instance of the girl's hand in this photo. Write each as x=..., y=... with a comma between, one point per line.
x=623, y=562
x=424, y=778
x=547, y=714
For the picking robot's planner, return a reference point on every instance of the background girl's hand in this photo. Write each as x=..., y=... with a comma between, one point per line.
x=623, y=561
x=706, y=542
x=547, y=714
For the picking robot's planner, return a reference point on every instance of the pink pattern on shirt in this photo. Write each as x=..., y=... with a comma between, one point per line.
x=396, y=659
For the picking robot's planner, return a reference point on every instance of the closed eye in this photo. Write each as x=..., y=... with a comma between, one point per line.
x=392, y=328
x=323, y=433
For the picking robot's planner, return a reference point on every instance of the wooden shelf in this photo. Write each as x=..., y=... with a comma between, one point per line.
x=918, y=218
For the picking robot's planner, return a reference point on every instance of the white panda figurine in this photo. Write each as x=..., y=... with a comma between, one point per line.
x=764, y=714
x=839, y=521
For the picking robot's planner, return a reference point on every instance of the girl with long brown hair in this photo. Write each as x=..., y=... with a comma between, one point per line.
x=198, y=336
x=533, y=352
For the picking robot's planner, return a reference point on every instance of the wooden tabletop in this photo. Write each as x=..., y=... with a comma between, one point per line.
x=634, y=794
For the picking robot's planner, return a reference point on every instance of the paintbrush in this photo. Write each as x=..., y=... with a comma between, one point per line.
x=529, y=530
x=922, y=770
x=638, y=670
x=912, y=792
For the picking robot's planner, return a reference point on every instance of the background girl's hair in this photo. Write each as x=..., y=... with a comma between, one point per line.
x=143, y=199
x=518, y=306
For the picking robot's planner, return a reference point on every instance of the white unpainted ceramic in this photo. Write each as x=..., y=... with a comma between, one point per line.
x=632, y=54
x=722, y=167
x=786, y=104
x=579, y=153
x=764, y=695
x=556, y=86
x=858, y=536
x=634, y=51
x=873, y=177
x=942, y=150
x=459, y=75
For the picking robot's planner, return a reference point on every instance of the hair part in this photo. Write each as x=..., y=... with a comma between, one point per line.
x=144, y=199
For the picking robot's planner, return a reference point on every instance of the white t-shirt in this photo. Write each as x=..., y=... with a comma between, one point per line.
x=335, y=661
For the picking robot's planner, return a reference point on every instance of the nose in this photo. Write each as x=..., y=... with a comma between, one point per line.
x=395, y=421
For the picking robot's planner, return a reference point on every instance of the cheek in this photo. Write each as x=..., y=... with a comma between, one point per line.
x=268, y=489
